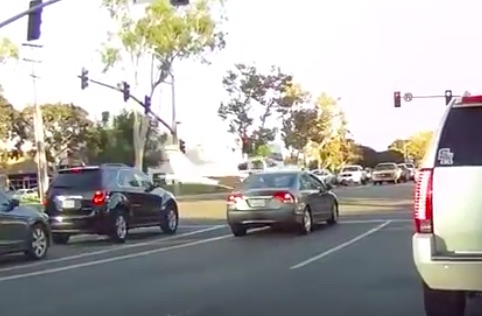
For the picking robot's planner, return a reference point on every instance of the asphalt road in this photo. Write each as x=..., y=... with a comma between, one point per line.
x=360, y=267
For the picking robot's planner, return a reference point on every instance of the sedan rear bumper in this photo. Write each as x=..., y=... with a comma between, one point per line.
x=264, y=217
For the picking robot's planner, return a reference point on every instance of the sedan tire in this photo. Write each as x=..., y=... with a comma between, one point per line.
x=334, y=215
x=39, y=243
x=306, y=225
x=238, y=230
x=169, y=220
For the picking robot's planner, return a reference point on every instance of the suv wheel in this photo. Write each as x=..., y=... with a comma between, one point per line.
x=60, y=238
x=238, y=230
x=443, y=303
x=39, y=243
x=169, y=220
x=120, y=229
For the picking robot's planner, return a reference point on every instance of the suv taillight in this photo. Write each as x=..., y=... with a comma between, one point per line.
x=423, y=208
x=99, y=198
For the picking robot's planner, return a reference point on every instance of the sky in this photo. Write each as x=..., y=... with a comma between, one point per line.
x=358, y=50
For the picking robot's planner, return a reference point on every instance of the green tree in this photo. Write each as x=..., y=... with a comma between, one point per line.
x=164, y=35
x=112, y=142
x=256, y=96
x=331, y=145
x=414, y=147
x=11, y=131
x=298, y=129
x=65, y=128
x=8, y=50
x=263, y=151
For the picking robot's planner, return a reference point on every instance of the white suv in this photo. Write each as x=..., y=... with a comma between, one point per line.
x=447, y=244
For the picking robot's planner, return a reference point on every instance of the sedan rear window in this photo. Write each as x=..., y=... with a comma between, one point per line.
x=269, y=180
x=460, y=143
x=82, y=178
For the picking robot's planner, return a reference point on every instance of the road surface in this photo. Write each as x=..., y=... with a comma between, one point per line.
x=362, y=266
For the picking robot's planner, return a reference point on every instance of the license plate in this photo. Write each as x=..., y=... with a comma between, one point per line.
x=68, y=204
x=257, y=203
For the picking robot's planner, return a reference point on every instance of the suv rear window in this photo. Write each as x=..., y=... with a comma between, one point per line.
x=460, y=143
x=78, y=179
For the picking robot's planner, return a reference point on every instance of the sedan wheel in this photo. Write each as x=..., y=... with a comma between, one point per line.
x=307, y=222
x=334, y=215
x=39, y=243
x=169, y=220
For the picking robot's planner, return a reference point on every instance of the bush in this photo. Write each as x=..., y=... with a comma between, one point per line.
x=195, y=189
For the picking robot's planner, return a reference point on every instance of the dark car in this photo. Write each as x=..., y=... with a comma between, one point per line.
x=296, y=199
x=107, y=200
x=23, y=229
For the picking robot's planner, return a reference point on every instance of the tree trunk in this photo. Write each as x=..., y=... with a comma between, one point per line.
x=141, y=125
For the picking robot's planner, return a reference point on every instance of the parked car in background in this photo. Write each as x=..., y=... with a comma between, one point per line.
x=354, y=174
x=23, y=229
x=21, y=193
x=411, y=167
x=387, y=172
x=290, y=198
x=108, y=200
x=324, y=175
x=405, y=174
x=368, y=172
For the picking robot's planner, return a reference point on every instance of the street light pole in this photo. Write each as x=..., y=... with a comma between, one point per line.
x=42, y=169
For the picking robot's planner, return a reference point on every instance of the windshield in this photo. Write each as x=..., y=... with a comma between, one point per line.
x=350, y=169
x=410, y=166
x=387, y=166
x=270, y=180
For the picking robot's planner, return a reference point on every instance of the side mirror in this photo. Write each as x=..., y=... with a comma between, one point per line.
x=329, y=186
x=14, y=202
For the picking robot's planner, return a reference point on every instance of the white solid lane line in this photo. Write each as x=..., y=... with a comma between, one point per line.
x=339, y=247
x=118, y=258
x=111, y=259
x=104, y=251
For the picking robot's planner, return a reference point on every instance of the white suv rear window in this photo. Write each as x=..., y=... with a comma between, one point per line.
x=461, y=137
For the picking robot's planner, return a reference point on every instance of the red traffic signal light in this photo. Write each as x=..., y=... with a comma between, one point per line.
x=397, y=99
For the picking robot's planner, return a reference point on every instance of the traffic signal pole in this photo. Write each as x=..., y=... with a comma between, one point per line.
x=27, y=12
x=148, y=111
x=408, y=97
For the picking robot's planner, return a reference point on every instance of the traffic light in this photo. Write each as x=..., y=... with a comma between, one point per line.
x=84, y=78
x=448, y=96
x=397, y=99
x=126, y=91
x=179, y=3
x=34, y=21
x=182, y=146
x=147, y=104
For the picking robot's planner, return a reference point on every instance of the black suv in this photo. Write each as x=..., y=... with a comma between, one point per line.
x=109, y=200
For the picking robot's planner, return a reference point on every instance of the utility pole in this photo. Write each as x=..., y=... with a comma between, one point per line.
x=175, y=137
x=42, y=167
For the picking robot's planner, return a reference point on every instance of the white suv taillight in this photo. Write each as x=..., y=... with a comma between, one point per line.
x=423, y=212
